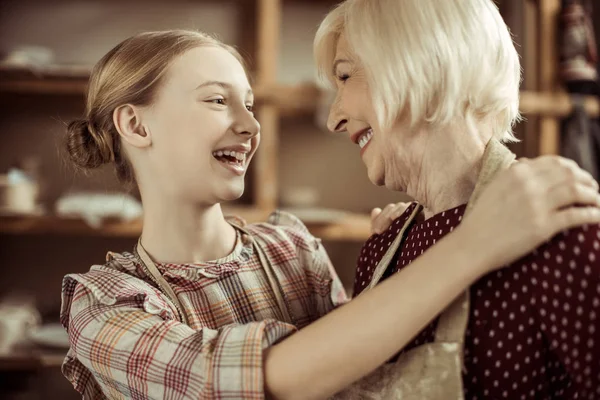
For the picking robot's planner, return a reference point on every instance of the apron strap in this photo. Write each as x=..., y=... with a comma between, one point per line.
x=160, y=281
x=387, y=258
x=270, y=273
x=267, y=266
x=454, y=320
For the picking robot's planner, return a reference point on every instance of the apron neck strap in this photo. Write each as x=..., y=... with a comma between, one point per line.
x=157, y=277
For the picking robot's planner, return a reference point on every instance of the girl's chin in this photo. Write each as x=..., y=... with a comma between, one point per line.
x=231, y=192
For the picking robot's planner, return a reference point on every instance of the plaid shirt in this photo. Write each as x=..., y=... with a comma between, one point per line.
x=127, y=340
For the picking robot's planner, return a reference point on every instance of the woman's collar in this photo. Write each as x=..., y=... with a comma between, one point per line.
x=495, y=158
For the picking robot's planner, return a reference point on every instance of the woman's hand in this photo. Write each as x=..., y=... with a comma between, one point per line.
x=382, y=219
x=528, y=204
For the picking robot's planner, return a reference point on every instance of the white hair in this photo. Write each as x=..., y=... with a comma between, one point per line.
x=438, y=62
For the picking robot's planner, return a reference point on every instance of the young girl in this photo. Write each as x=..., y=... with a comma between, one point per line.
x=174, y=111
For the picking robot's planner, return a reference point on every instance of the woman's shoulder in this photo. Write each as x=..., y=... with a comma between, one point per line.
x=576, y=247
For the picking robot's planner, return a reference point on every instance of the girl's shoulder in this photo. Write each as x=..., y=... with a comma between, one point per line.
x=119, y=280
x=284, y=229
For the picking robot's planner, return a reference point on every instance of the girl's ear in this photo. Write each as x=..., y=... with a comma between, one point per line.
x=128, y=123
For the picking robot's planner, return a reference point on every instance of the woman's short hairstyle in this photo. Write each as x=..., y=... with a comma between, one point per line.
x=434, y=62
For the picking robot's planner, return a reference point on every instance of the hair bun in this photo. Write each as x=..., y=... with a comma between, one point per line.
x=86, y=149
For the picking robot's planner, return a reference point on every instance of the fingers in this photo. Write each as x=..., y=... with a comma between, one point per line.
x=555, y=170
x=398, y=210
x=573, y=173
x=568, y=187
x=573, y=193
x=382, y=219
x=573, y=217
x=374, y=213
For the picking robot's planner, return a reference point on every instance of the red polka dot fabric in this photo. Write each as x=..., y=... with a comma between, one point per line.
x=534, y=327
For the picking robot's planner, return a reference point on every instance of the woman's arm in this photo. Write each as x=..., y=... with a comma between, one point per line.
x=522, y=208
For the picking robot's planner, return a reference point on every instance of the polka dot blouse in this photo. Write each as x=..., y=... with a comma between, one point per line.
x=534, y=327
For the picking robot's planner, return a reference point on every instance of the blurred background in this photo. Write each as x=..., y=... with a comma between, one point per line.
x=54, y=220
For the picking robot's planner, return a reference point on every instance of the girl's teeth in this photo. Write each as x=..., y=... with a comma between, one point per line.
x=237, y=155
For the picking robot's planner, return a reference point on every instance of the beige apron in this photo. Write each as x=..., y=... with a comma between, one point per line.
x=432, y=371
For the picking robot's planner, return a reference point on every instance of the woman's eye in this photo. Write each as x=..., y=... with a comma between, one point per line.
x=343, y=77
x=218, y=101
x=250, y=107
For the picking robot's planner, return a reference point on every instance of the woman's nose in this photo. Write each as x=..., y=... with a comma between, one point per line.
x=336, y=122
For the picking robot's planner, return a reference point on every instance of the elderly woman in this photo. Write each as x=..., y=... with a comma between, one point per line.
x=430, y=108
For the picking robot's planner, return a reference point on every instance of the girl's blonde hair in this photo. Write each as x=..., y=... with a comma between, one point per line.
x=130, y=73
x=435, y=62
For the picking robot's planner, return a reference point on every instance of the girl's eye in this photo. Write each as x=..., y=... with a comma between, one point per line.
x=218, y=101
x=250, y=107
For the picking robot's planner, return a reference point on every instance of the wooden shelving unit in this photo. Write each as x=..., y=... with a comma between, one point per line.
x=274, y=101
x=554, y=105
x=545, y=99
x=542, y=101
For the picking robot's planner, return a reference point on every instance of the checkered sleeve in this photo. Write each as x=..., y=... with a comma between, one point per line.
x=132, y=346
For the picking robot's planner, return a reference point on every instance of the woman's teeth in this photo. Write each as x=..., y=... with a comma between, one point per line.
x=231, y=156
x=364, y=138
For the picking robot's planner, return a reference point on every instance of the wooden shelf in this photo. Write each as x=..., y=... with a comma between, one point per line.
x=555, y=104
x=53, y=225
x=352, y=227
x=290, y=99
x=54, y=79
x=72, y=81
x=31, y=360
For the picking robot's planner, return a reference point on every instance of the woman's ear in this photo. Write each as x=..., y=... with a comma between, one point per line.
x=129, y=125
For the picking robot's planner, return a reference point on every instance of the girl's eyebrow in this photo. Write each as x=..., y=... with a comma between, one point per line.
x=223, y=85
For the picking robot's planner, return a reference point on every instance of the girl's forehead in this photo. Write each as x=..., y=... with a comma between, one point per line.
x=208, y=63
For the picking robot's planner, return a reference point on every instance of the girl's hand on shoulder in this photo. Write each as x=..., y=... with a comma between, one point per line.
x=382, y=219
x=526, y=205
